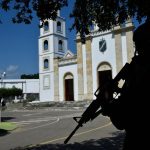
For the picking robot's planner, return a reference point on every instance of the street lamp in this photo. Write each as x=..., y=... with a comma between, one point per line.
x=3, y=75
x=1, y=98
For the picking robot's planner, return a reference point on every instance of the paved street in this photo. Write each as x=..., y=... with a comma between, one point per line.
x=49, y=128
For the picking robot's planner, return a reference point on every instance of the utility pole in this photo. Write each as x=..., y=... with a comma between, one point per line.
x=1, y=98
x=0, y=113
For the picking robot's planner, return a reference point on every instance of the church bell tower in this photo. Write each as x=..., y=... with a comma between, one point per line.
x=52, y=45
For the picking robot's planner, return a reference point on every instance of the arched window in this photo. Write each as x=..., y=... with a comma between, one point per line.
x=60, y=45
x=45, y=45
x=58, y=26
x=46, y=26
x=46, y=64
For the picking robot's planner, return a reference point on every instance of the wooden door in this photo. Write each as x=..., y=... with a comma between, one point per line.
x=69, y=90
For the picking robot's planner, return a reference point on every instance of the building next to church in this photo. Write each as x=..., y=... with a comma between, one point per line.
x=65, y=76
x=28, y=86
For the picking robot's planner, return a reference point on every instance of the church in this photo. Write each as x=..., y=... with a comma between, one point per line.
x=65, y=76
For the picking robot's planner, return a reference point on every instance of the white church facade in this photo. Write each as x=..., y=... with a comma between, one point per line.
x=65, y=76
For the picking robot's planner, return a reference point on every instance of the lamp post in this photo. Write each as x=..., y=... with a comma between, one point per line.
x=1, y=98
x=0, y=110
x=3, y=75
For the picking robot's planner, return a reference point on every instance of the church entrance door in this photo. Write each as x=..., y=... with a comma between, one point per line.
x=104, y=76
x=69, y=89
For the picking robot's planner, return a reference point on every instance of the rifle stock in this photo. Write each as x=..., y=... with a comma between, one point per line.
x=96, y=106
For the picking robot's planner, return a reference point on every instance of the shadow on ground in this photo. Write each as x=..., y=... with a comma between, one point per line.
x=110, y=143
x=3, y=132
x=4, y=119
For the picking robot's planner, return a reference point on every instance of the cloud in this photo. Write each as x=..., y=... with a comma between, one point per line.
x=12, y=68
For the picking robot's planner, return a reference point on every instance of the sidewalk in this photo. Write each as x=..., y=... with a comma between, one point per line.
x=50, y=105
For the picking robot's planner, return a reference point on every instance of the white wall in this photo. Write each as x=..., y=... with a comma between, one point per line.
x=47, y=93
x=27, y=85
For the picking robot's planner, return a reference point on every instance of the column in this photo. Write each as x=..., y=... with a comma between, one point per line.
x=56, y=80
x=89, y=95
x=80, y=69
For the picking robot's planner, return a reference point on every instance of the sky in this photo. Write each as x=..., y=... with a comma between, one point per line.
x=19, y=44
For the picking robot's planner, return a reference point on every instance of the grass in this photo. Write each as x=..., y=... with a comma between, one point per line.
x=8, y=126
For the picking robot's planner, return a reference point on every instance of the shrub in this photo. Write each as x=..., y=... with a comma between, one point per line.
x=6, y=93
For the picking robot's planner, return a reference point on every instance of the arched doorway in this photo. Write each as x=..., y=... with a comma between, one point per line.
x=69, y=87
x=104, y=73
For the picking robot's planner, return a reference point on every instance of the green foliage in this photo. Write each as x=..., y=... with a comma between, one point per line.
x=32, y=97
x=10, y=92
x=105, y=13
x=30, y=76
x=8, y=126
x=44, y=9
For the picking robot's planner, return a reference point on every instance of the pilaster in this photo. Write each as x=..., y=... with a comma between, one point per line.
x=89, y=95
x=129, y=38
x=80, y=70
x=56, y=80
x=118, y=48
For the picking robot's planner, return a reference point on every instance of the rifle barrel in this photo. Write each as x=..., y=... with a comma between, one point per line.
x=72, y=133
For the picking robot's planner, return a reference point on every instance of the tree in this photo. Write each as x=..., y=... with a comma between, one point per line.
x=45, y=9
x=30, y=76
x=105, y=13
x=8, y=92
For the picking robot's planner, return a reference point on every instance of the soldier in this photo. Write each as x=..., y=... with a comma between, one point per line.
x=0, y=100
x=130, y=112
x=129, y=109
x=2, y=104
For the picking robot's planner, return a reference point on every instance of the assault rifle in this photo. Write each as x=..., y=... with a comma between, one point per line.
x=103, y=95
